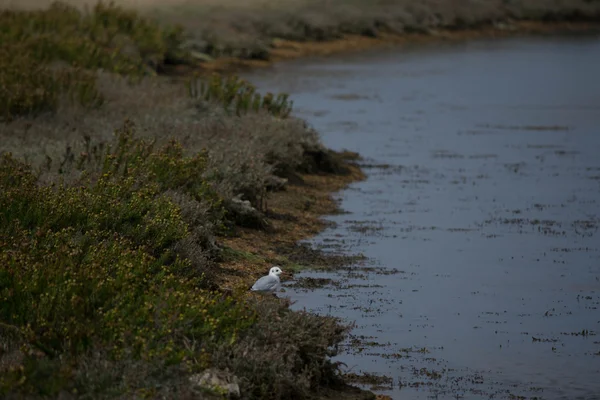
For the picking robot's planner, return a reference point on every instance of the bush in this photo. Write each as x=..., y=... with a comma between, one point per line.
x=133, y=157
x=27, y=86
x=91, y=267
x=285, y=354
x=177, y=178
x=108, y=38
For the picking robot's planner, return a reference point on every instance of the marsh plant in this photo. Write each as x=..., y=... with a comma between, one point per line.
x=92, y=267
x=238, y=96
x=47, y=54
x=109, y=266
x=105, y=282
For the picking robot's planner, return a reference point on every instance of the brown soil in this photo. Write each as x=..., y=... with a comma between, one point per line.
x=293, y=214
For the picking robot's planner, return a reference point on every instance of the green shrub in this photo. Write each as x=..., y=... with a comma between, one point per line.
x=137, y=161
x=92, y=267
x=179, y=178
x=28, y=86
x=108, y=38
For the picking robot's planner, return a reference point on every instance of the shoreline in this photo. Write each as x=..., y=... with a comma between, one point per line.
x=294, y=211
x=305, y=224
x=288, y=50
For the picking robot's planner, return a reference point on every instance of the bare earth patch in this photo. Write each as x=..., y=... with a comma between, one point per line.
x=303, y=204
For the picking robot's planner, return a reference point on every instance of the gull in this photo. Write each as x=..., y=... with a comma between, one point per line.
x=268, y=283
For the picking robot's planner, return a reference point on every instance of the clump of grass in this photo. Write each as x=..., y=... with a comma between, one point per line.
x=47, y=53
x=235, y=94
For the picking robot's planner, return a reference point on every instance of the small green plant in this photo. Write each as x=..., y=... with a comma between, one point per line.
x=237, y=95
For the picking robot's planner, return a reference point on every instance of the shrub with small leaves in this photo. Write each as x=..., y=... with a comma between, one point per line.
x=28, y=86
x=33, y=44
x=136, y=160
x=92, y=266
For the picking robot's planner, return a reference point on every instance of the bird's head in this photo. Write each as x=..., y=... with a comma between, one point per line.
x=275, y=271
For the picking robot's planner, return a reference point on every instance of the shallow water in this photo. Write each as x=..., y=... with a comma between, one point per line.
x=479, y=218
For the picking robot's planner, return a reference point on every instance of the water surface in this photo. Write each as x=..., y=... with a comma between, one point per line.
x=479, y=218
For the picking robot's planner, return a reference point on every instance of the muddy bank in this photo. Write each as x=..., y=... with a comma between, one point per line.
x=285, y=50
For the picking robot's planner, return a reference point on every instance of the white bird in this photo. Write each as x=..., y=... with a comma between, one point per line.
x=268, y=283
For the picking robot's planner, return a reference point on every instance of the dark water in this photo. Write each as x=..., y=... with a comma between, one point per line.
x=479, y=218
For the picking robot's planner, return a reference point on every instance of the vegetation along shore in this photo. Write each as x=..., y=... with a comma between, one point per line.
x=141, y=195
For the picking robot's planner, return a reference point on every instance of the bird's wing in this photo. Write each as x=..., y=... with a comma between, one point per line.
x=266, y=283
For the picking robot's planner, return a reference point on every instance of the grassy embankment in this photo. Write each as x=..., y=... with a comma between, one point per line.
x=124, y=242
x=117, y=190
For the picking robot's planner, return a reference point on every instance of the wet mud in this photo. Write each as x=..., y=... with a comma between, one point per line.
x=477, y=225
